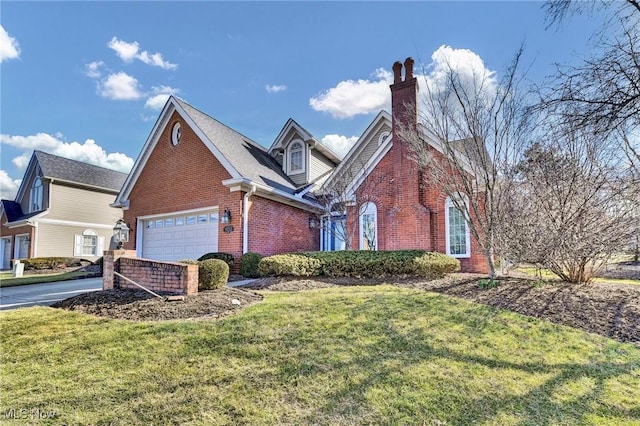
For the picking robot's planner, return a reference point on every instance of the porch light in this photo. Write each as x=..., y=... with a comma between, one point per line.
x=120, y=233
x=226, y=216
x=313, y=222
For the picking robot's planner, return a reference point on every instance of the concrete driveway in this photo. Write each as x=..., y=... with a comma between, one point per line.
x=45, y=294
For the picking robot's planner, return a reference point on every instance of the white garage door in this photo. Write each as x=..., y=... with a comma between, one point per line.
x=177, y=237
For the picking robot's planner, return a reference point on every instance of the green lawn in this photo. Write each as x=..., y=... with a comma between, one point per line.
x=8, y=280
x=355, y=355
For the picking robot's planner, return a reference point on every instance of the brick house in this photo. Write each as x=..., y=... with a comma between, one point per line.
x=199, y=186
x=61, y=209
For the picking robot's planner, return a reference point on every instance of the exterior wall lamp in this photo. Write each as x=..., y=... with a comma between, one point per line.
x=226, y=216
x=313, y=222
x=120, y=233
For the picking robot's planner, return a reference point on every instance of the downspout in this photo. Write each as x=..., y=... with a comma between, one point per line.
x=245, y=219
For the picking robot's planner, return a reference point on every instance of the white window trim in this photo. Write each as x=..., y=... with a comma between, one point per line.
x=303, y=169
x=383, y=137
x=78, y=244
x=448, y=203
x=368, y=208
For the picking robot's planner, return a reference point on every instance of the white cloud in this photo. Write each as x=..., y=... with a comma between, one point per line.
x=275, y=88
x=354, y=97
x=468, y=65
x=339, y=144
x=88, y=151
x=130, y=51
x=350, y=98
x=93, y=69
x=8, y=186
x=159, y=97
x=9, y=46
x=119, y=86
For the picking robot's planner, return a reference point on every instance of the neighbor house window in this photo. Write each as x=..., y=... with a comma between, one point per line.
x=332, y=233
x=36, y=196
x=457, y=231
x=368, y=227
x=296, y=158
x=88, y=244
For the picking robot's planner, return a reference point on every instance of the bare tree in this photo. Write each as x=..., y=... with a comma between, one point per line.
x=340, y=193
x=471, y=131
x=602, y=92
x=566, y=210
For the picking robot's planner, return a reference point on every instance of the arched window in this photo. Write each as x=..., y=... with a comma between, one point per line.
x=368, y=227
x=457, y=231
x=36, y=195
x=296, y=158
x=383, y=137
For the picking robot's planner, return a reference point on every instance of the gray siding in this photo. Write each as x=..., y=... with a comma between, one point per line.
x=369, y=147
x=318, y=165
x=81, y=205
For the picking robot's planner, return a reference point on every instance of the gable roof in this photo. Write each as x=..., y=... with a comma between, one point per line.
x=279, y=143
x=249, y=159
x=247, y=162
x=60, y=168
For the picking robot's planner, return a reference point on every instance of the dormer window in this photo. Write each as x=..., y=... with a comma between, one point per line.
x=36, y=196
x=296, y=158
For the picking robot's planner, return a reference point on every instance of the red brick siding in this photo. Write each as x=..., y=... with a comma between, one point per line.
x=12, y=232
x=158, y=276
x=278, y=228
x=184, y=177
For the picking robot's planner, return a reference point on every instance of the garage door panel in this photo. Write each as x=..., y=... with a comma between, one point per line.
x=187, y=241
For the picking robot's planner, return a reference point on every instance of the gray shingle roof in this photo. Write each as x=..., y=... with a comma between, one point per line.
x=55, y=167
x=249, y=158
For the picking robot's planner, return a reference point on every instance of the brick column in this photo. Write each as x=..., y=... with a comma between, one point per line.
x=108, y=265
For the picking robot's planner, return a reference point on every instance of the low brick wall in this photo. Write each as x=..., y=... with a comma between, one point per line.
x=158, y=276
x=152, y=274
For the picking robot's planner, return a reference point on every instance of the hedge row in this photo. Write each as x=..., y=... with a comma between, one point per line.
x=360, y=264
x=51, y=262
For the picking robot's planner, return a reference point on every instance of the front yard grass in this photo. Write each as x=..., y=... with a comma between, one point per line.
x=351, y=355
x=8, y=280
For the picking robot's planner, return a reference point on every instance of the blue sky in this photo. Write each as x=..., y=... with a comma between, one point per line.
x=87, y=80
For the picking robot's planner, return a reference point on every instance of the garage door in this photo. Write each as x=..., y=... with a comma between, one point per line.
x=177, y=237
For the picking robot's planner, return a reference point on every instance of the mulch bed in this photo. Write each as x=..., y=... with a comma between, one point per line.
x=612, y=310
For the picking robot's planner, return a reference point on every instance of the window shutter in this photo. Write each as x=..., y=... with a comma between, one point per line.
x=100, y=247
x=77, y=246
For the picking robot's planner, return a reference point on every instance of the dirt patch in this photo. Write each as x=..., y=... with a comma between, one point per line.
x=139, y=305
x=612, y=310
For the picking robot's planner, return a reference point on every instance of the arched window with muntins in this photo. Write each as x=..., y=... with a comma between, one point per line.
x=458, y=237
x=368, y=227
x=296, y=158
x=36, y=196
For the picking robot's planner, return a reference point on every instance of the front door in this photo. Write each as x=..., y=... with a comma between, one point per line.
x=5, y=252
x=22, y=247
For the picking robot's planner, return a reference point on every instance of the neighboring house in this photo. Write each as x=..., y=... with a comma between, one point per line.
x=61, y=209
x=199, y=186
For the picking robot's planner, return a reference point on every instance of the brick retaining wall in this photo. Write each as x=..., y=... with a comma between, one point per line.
x=154, y=275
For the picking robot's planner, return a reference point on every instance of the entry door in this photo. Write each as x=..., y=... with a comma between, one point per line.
x=5, y=252
x=22, y=247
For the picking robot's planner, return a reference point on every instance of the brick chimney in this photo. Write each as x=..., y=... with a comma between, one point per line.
x=404, y=94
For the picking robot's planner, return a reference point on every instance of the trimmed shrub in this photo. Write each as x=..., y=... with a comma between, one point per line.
x=299, y=265
x=226, y=257
x=212, y=274
x=189, y=261
x=361, y=264
x=50, y=262
x=249, y=263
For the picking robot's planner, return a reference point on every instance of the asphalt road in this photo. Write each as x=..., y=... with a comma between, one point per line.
x=45, y=294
